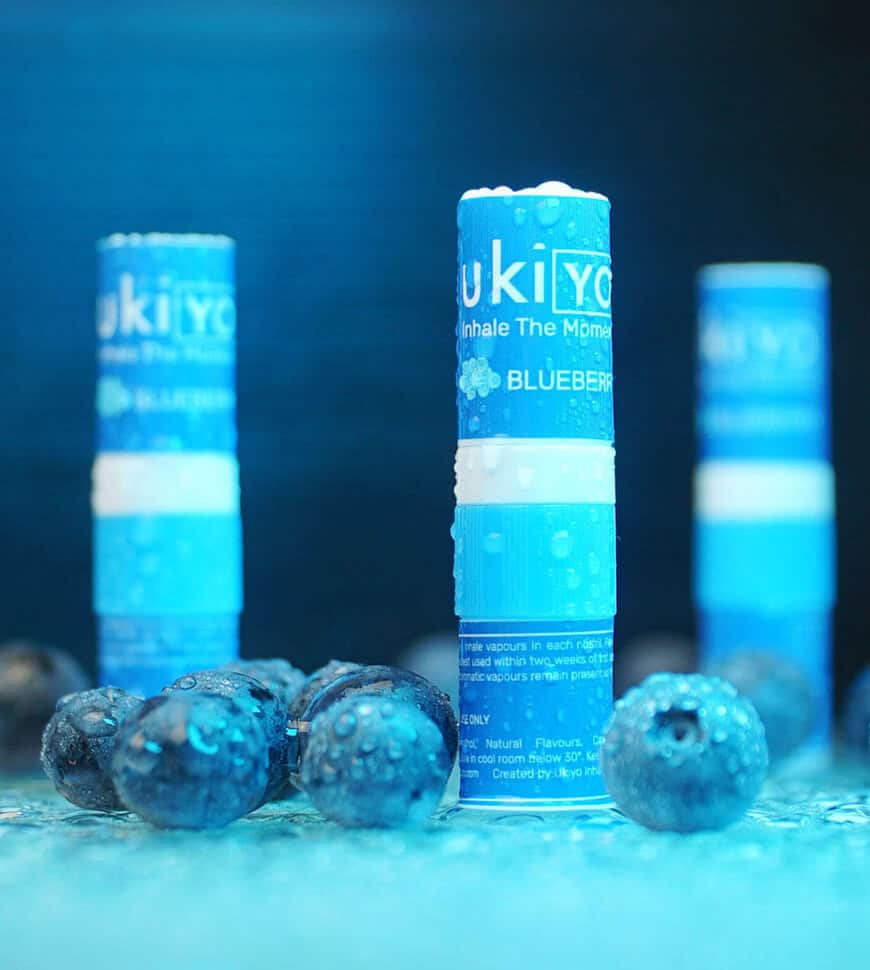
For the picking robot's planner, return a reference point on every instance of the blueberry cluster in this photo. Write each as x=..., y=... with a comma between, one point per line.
x=371, y=746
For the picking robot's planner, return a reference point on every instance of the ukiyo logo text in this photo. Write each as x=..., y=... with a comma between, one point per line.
x=577, y=281
x=181, y=310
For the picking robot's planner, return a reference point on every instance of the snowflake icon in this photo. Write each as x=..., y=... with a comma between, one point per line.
x=477, y=379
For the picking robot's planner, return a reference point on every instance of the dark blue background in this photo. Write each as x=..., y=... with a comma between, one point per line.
x=332, y=139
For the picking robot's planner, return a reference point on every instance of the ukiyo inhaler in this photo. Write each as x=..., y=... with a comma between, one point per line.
x=534, y=530
x=165, y=496
x=764, y=483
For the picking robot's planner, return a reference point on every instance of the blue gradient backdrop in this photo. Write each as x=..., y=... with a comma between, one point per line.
x=333, y=140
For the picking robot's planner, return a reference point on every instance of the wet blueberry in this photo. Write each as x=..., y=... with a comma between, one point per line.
x=190, y=760
x=78, y=743
x=314, y=683
x=778, y=691
x=393, y=682
x=317, y=681
x=32, y=680
x=375, y=761
x=258, y=700
x=684, y=752
x=279, y=675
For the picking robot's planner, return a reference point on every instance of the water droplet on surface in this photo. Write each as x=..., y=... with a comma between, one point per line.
x=328, y=774
x=848, y=813
x=525, y=477
x=491, y=456
x=548, y=211
x=493, y=543
x=395, y=751
x=517, y=819
x=561, y=544
x=345, y=725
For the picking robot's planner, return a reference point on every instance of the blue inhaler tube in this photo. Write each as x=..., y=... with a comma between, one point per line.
x=165, y=497
x=764, y=485
x=534, y=532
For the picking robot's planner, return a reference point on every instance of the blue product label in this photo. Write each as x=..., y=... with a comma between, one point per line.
x=763, y=380
x=167, y=565
x=534, y=698
x=803, y=637
x=534, y=328
x=145, y=654
x=525, y=561
x=767, y=565
x=166, y=323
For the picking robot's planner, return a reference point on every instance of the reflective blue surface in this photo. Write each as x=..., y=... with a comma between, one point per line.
x=784, y=889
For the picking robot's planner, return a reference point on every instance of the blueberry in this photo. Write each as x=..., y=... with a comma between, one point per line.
x=190, y=760
x=314, y=683
x=653, y=653
x=32, y=680
x=396, y=683
x=778, y=691
x=78, y=742
x=319, y=679
x=256, y=699
x=279, y=675
x=375, y=761
x=856, y=715
x=684, y=752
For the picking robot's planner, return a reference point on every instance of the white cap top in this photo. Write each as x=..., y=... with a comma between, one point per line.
x=740, y=275
x=119, y=240
x=545, y=188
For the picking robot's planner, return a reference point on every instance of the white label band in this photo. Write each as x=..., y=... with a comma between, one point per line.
x=523, y=471
x=756, y=490
x=145, y=484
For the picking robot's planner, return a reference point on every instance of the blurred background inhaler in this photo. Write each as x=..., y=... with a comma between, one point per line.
x=534, y=532
x=167, y=528
x=764, y=484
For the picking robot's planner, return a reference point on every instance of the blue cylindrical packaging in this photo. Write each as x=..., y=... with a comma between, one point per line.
x=167, y=528
x=764, y=484
x=534, y=532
